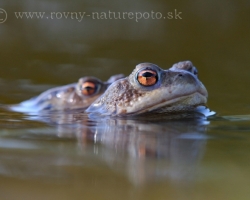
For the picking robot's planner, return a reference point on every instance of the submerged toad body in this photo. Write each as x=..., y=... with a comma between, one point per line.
x=151, y=89
x=68, y=97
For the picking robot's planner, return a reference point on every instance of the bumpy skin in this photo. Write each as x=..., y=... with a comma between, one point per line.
x=177, y=89
x=66, y=97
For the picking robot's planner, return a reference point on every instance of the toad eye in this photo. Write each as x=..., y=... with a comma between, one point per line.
x=196, y=72
x=88, y=88
x=147, y=77
x=193, y=70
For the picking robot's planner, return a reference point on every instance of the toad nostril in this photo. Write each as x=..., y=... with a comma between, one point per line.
x=180, y=75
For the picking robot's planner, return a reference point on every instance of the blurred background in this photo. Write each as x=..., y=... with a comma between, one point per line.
x=45, y=52
x=125, y=159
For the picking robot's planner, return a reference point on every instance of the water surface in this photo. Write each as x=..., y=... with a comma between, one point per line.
x=69, y=156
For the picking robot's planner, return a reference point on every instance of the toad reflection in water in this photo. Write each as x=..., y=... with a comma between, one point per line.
x=176, y=146
x=145, y=149
x=142, y=150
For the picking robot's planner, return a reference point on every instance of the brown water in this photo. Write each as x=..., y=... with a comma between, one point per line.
x=73, y=157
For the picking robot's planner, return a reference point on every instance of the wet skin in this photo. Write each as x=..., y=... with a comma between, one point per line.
x=73, y=96
x=150, y=89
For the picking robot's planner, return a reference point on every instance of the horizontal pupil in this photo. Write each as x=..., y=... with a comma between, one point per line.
x=147, y=74
x=89, y=88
